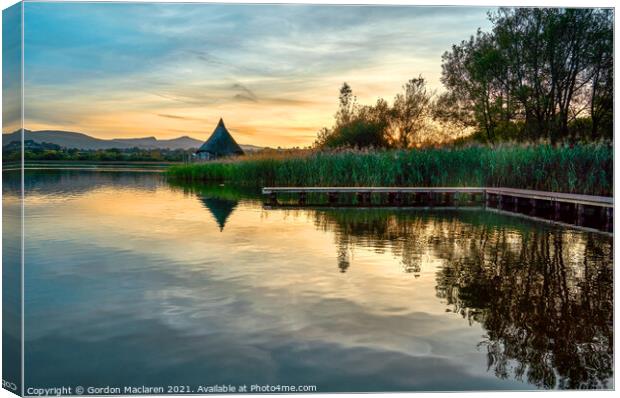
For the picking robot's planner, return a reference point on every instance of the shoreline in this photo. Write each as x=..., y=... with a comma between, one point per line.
x=109, y=169
x=159, y=167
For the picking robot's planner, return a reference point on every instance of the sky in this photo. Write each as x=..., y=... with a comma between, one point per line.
x=272, y=72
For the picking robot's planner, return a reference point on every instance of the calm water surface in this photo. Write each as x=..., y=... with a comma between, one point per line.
x=133, y=281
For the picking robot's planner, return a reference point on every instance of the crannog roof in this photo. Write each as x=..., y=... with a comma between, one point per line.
x=221, y=143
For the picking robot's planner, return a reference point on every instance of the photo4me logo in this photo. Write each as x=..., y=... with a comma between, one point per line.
x=9, y=385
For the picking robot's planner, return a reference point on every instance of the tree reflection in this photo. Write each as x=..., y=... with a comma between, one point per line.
x=343, y=256
x=380, y=230
x=547, y=307
x=543, y=294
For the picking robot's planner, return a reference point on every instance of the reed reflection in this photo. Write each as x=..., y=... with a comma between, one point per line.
x=544, y=295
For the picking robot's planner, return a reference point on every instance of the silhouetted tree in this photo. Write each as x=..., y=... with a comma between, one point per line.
x=412, y=111
x=533, y=70
x=347, y=105
x=356, y=126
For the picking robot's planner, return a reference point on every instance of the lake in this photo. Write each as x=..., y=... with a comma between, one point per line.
x=133, y=281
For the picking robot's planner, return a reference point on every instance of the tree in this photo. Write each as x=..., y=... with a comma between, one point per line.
x=475, y=95
x=601, y=69
x=412, y=112
x=356, y=126
x=451, y=118
x=545, y=51
x=538, y=68
x=347, y=105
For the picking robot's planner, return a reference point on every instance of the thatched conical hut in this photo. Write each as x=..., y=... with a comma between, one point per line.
x=220, y=144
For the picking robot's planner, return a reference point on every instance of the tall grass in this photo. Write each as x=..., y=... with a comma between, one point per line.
x=582, y=168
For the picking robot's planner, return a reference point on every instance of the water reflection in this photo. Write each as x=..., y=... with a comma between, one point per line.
x=221, y=209
x=220, y=200
x=352, y=300
x=546, y=301
x=544, y=295
x=11, y=276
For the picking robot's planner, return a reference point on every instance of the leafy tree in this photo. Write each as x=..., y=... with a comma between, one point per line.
x=412, y=111
x=538, y=70
x=475, y=97
x=601, y=70
x=357, y=126
x=347, y=105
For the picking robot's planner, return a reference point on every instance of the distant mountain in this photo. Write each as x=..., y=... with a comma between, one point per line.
x=252, y=148
x=70, y=139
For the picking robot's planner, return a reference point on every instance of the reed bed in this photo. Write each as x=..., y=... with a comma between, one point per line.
x=581, y=168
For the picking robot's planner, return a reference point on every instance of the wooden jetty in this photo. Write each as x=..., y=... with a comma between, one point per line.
x=394, y=195
x=556, y=197
x=553, y=203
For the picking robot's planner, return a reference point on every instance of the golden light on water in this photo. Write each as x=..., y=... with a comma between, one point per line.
x=210, y=267
x=173, y=220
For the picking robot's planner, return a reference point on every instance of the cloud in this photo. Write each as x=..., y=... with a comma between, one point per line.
x=172, y=116
x=241, y=87
x=244, y=97
x=177, y=117
x=289, y=101
x=176, y=66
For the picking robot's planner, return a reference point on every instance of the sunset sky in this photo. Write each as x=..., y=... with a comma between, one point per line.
x=272, y=72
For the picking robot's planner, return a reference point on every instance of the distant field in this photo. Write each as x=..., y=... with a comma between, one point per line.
x=72, y=164
x=582, y=168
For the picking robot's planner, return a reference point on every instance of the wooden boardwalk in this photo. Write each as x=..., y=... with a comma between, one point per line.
x=554, y=203
x=271, y=190
x=588, y=200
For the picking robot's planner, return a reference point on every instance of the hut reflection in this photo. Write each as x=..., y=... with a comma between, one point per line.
x=220, y=209
x=220, y=200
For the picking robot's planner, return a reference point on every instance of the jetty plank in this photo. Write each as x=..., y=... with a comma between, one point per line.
x=269, y=190
x=512, y=193
x=578, y=199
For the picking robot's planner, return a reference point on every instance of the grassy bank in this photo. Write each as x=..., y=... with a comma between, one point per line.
x=584, y=168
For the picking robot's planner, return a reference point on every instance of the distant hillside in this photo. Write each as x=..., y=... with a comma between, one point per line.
x=69, y=139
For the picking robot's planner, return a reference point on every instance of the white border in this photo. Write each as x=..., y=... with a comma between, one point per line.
x=487, y=3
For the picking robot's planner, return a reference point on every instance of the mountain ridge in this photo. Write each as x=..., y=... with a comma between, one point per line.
x=72, y=139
